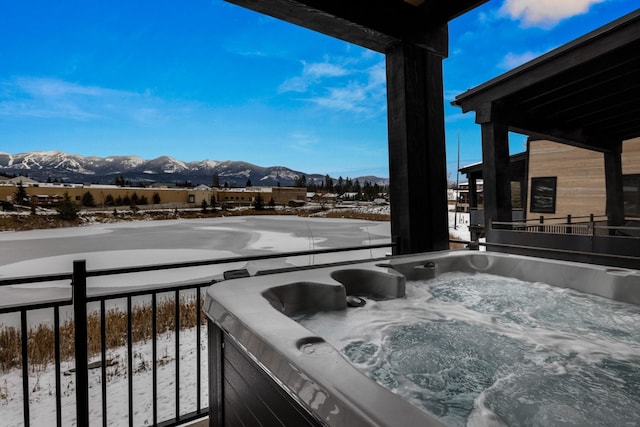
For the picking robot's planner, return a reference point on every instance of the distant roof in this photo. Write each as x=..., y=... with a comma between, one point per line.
x=584, y=93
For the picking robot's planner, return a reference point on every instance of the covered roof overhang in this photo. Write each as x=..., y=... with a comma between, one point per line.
x=374, y=24
x=584, y=93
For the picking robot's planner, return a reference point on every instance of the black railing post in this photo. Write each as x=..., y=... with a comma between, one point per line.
x=569, y=228
x=79, y=283
x=395, y=245
x=215, y=348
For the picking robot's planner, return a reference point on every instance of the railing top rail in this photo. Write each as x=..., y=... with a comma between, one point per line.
x=114, y=293
x=35, y=279
x=227, y=260
x=169, y=266
x=564, y=251
x=573, y=217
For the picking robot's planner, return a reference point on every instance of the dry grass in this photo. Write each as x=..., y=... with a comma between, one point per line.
x=40, y=339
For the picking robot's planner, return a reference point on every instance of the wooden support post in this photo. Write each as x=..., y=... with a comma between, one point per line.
x=613, y=178
x=417, y=160
x=495, y=169
x=473, y=192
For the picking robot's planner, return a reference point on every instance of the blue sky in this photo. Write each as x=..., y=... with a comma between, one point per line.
x=205, y=79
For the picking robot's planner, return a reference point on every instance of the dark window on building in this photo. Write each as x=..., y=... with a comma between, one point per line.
x=543, y=194
x=631, y=189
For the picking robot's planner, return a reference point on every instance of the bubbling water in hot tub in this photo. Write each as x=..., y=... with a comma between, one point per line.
x=484, y=350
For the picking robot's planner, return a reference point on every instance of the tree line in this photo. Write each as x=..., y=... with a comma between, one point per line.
x=366, y=192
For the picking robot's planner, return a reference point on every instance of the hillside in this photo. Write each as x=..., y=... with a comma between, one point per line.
x=60, y=166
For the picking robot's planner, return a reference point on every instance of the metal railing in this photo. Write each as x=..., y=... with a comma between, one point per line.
x=579, y=225
x=78, y=280
x=589, y=239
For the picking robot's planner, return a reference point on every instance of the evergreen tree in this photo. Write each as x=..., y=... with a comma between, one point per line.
x=272, y=203
x=248, y=184
x=203, y=205
x=300, y=181
x=108, y=200
x=215, y=183
x=348, y=185
x=328, y=184
x=67, y=208
x=143, y=200
x=22, y=198
x=340, y=186
x=358, y=190
x=258, y=202
x=155, y=198
x=87, y=199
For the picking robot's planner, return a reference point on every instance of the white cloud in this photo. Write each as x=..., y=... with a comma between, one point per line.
x=512, y=60
x=311, y=74
x=324, y=69
x=53, y=98
x=545, y=12
x=344, y=84
x=302, y=141
x=53, y=88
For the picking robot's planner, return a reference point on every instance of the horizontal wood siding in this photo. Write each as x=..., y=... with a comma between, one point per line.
x=580, y=173
x=581, y=179
x=631, y=157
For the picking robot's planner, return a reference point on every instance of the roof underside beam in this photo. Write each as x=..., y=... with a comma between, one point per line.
x=374, y=24
x=618, y=39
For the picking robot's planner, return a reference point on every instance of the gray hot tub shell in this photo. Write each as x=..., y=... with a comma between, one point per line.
x=252, y=314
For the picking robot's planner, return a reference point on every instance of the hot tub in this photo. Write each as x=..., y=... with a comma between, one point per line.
x=266, y=368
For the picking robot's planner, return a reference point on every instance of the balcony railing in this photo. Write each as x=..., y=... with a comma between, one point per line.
x=159, y=298
x=583, y=239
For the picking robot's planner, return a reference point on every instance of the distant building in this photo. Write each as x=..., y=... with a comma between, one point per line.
x=246, y=196
x=46, y=194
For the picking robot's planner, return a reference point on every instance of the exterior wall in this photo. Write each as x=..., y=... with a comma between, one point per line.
x=167, y=195
x=631, y=157
x=195, y=196
x=580, y=176
x=282, y=195
x=245, y=196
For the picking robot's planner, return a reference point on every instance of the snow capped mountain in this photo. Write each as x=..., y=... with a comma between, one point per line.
x=57, y=165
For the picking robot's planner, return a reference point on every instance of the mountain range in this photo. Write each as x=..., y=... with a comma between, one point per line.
x=59, y=166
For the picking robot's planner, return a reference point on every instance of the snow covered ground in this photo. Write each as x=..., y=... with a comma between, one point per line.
x=113, y=245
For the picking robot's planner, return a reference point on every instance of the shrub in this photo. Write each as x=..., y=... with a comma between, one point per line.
x=87, y=199
x=67, y=208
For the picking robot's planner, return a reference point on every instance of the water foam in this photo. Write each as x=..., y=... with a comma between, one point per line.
x=488, y=351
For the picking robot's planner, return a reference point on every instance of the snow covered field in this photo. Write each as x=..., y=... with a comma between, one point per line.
x=152, y=242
